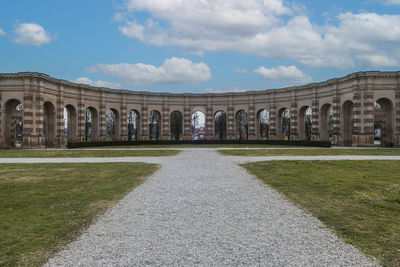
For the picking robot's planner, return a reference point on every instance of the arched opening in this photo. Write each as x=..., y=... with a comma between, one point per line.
x=305, y=123
x=242, y=125
x=49, y=124
x=383, y=130
x=91, y=124
x=70, y=122
x=284, y=124
x=348, y=123
x=326, y=122
x=263, y=124
x=198, y=125
x=176, y=121
x=133, y=125
x=14, y=123
x=154, y=125
x=112, y=124
x=220, y=125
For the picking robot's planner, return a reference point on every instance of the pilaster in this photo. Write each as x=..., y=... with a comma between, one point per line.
x=165, y=119
x=144, y=127
x=336, y=134
x=315, y=119
x=273, y=123
x=187, y=132
x=102, y=118
x=209, y=120
x=231, y=131
x=60, y=136
x=123, y=129
x=2, y=137
x=294, y=126
x=81, y=117
x=252, y=118
x=396, y=138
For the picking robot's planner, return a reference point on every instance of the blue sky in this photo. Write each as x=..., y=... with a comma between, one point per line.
x=199, y=45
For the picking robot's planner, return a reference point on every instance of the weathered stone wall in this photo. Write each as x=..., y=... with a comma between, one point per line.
x=363, y=89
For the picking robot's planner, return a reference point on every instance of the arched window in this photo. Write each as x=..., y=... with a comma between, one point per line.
x=154, y=125
x=198, y=125
x=176, y=120
x=220, y=125
x=242, y=125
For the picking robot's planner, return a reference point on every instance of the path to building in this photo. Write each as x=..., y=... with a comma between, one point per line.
x=201, y=208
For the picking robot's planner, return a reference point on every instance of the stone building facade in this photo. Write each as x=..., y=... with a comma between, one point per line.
x=352, y=111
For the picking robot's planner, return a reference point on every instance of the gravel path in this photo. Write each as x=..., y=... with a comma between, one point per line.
x=201, y=208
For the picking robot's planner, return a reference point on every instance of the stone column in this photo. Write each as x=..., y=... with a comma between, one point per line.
x=231, y=128
x=315, y=135
x=39, y=115
x=396, y=138
x=336, y=135
x=60, y=136
x=144, y=119
x=294, y=121
x=123, y=119
x=209, y=120
x=368, y=128
x=30, y=140
x=2, y=136
x=273, y=124
x=102, y=118
x=81, y=109
x=165, y=119
x=252, y=118
x=357, y=118
x=123, y=129
x=187, y=131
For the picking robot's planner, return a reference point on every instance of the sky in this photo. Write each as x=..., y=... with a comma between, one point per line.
x=199, y=46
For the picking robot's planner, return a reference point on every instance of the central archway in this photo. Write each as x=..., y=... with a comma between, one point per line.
x=242, y=125
x=220, y=125
x=263, y=124
x=154, y=125
x=133, y=125
x=112, y=124
x=176, y=122
x=198, y=123
x=91, y=124
x=284, y=124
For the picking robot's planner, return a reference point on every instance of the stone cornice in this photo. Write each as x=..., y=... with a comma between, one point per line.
x=330, y=82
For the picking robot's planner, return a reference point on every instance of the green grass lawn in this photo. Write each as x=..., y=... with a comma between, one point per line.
x=45, y=206
x=360, y=200
x=309, y=152
x=22, y=153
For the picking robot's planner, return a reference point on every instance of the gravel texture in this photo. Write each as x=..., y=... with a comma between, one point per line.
x=201, y=208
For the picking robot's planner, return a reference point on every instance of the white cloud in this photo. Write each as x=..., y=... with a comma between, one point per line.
x=240, y=70
x=234, y=88
x=31, y=34
x=268, y=28
x=99, y=83
x=2, y=33
x=288, y=75
x=392, y=2
x=174, y=70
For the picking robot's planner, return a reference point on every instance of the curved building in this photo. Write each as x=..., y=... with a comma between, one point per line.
x=361, y=109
